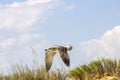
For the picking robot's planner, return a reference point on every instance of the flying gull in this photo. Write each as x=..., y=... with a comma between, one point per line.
x=50, y=52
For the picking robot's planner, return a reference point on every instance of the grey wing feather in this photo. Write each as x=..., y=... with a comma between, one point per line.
x=49, y=59
x=65, y=57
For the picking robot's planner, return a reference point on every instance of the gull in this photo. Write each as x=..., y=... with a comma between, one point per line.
x=50, y=52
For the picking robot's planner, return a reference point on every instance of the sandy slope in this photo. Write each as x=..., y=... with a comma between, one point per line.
x=109, y=78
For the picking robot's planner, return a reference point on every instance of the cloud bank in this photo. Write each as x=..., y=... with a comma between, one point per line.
x=19, y=23
x=108, y=45
x=21, y=16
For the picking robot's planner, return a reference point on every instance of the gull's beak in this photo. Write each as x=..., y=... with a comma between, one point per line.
x=45, y=49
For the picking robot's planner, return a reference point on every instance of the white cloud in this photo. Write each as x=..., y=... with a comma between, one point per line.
x=20, y=40
x=28, y=3
x=24, y=38
x=7, y=43
x=13, y=50
x=107, y=46
x=21, y=16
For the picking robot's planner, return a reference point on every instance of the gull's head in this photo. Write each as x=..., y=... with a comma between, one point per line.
x=53, y=48
x=69, y=47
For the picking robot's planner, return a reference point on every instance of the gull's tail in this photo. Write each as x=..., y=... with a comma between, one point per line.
x=69, y=47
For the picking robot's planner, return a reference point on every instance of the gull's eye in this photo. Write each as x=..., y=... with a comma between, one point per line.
x=53, y=48
x=50, y=48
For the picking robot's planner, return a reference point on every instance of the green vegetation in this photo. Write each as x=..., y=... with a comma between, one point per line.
x=95, y=70
x=25, y=73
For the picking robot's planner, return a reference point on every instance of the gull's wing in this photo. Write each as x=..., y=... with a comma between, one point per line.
x=65, y=57
x=49, y=55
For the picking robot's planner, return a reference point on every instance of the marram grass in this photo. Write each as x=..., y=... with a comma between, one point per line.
x=25, y=73
x=97, y=70
x=101, y=69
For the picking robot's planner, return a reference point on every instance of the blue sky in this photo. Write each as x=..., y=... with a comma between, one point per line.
x=92, y=27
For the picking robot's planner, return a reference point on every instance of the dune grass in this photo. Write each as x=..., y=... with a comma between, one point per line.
x=26, y=73
x=95, y=70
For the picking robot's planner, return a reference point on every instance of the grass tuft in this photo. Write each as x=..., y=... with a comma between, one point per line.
x=102, y=69
x=96, y=70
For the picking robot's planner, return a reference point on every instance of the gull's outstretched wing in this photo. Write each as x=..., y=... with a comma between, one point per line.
x=65, y=57
x=49, y=55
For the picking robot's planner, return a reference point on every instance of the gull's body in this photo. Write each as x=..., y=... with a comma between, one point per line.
x=50, y=52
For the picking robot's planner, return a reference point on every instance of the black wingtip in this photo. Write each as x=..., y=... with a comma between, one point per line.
x=47, y=69
x=68, y=64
